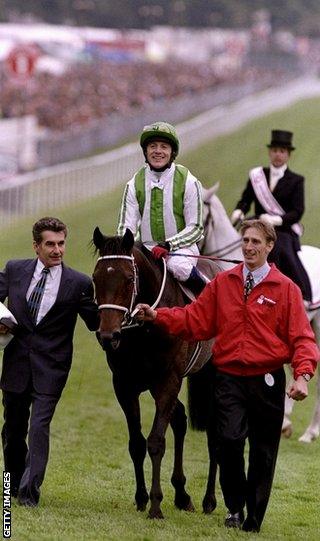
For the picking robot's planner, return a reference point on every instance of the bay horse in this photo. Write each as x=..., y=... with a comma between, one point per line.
x=143, y=357
x=222, y=240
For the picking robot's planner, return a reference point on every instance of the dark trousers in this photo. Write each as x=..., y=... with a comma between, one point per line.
x=247, y=408
x=284, y=255
x=27, y=463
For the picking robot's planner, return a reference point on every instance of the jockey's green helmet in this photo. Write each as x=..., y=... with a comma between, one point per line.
x=161, y=130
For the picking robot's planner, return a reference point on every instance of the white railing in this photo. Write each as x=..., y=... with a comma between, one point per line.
x=59, y=186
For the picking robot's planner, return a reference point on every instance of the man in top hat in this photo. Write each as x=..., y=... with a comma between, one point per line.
x=278, y=197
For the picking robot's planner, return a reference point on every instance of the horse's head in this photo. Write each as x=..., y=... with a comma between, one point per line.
x=115, y=280
x=208, y=216
x=221, y=239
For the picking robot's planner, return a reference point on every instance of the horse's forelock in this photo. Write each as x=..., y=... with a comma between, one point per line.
x=112, y=246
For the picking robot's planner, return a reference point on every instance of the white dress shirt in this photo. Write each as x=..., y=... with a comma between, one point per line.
x=258, y=274
x=50, y=290
x=275, y=174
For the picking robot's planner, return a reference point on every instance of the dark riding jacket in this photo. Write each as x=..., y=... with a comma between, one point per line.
x=289, y=192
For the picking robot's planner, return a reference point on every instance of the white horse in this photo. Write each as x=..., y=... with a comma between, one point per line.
x=222, y=240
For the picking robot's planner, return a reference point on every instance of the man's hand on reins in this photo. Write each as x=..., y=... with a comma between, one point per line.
x=145, y=313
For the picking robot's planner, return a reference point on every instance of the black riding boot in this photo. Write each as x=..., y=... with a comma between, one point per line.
x=195, y=282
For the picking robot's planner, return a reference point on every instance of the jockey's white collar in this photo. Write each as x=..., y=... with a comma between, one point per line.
x=158, y=178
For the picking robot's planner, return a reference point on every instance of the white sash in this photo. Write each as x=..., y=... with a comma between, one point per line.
x=265, y=197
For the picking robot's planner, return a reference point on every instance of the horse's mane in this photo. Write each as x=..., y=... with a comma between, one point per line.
x=140, y=246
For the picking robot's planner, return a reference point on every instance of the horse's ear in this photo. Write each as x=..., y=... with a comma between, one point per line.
x=98, y=238
x=127, y=241
x=207, y=193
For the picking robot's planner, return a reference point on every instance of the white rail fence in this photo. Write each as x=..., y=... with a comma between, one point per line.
x=59, y=186
x=43, y=191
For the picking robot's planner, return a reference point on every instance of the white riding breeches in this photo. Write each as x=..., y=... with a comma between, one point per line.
x=181, y=267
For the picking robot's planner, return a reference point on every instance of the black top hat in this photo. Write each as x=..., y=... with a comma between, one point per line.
x=281, y=138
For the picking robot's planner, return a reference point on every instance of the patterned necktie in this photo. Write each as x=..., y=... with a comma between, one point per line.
x=248, y=285
x=35, y=298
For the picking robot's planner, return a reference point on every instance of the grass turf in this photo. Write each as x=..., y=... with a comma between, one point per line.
x=89, y=487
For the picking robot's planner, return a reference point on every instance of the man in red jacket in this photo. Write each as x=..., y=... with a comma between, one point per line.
x=257, y=317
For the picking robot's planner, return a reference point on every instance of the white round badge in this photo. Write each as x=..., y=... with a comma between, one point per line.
x=269, y=379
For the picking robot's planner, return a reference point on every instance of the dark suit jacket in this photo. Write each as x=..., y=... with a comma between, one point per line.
x=289, y=192
x=43, y=352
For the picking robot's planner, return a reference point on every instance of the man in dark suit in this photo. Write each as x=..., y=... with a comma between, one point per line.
x=278, y=197
x=45, y=297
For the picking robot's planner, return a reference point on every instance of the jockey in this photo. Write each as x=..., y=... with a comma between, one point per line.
x=278, y=195
x=163, y=202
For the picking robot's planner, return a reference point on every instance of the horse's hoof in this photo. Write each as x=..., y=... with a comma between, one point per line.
x=189, y=507
x=209, y=505
x=309, y=437
x=184, y=503
x=155, y=514
x=141, y=506
x=287, y=431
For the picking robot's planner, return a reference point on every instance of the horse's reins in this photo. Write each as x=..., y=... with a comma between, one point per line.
x=225, y=250
x=211, y=257
x=129, y=313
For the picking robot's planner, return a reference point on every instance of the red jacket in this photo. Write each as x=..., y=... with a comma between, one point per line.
x=252, y=337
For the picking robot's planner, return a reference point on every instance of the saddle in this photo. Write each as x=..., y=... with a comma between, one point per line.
x=208, y=269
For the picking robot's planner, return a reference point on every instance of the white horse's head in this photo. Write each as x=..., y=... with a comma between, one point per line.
x=221, y=239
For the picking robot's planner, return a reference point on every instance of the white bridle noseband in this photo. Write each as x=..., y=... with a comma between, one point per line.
x=134, y=290
x=129, y=312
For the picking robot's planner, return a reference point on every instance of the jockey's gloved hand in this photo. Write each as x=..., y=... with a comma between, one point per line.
x=161, y=250
x=272, y=219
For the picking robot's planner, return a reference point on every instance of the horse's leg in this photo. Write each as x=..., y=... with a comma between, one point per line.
x=178, y=424
x=286, y=429
x=202, y=417
x=137, y=442
x=165, y=395
x=313, y=430
x=209, y=502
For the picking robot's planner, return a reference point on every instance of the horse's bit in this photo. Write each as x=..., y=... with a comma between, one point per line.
x=129, y=313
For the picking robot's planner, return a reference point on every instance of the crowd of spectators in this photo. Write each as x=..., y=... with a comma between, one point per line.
x=90, y=91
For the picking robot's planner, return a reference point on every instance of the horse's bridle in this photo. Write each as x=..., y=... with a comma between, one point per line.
x=129, y=313
x=134, y=290
x=225, y=250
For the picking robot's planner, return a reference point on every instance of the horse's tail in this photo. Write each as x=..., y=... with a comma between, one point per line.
x=200, y=397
